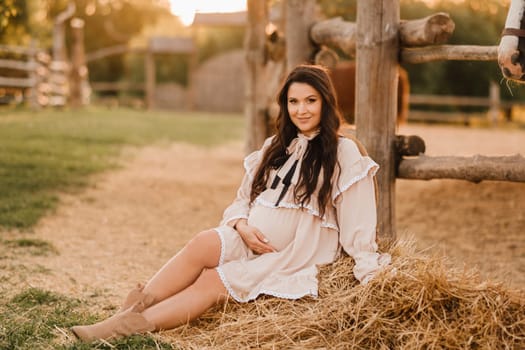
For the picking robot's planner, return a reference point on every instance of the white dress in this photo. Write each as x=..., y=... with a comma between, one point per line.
x=302, y=238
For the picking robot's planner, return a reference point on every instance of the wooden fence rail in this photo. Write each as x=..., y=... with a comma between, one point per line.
x=449, y=53
x=475, y=169
x=452, y=100
x=156, y=45
x=33, y=75
x=493, y=102
x=381, y=43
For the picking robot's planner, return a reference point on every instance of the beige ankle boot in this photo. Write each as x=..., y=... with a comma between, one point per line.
x=119, y=325
x=137, y=295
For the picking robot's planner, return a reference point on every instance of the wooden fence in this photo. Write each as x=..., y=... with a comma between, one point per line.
x=380, y=40
x=31, y=74
x=156, y=45
x=492, y=102
x=381, y=46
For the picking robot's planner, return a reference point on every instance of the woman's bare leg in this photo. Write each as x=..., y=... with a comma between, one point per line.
x=201, y=252
x=183, y=288
x=188, y=304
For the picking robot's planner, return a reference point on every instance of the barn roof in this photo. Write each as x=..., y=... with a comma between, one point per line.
x=230, y=18
x=160, y=44
x=220, y=19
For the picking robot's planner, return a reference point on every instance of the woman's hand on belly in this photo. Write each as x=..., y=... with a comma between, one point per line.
x=253, y=238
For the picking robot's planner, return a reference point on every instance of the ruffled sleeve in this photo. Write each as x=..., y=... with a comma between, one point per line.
x=356, y=211
x=240, y=207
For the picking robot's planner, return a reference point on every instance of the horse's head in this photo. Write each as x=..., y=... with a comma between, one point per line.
x=511, y=50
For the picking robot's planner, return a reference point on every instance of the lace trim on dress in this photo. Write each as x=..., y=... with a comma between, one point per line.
x=235, y=217
x=371, y=169
x=330, y=226
x=227, y=284
x=248, y=167
x=309, y=210
x=253, y=296
x=251, y=161
x=223, y=245
x=263, y=291
x=286, y=205
x=285, y=295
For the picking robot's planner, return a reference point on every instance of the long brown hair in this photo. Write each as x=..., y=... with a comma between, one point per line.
x=321, y=154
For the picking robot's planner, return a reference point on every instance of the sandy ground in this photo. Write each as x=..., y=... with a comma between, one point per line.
x=130, y=221
x=476, y=225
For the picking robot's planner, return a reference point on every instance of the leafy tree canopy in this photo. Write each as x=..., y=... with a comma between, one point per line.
x=8, y=11
x=107, y=23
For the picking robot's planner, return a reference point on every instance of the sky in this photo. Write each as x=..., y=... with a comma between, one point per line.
x=185, y=9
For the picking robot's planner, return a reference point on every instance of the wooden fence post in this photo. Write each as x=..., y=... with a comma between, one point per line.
x=255, y=105
x=495, y=103
x=59, y=34
x=376, y=98
x=150, y=72
x=78, y=74
x=192, y=68
x=300, y=17
x=33, y=76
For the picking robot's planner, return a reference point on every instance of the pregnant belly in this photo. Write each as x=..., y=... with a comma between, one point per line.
x=277, y=224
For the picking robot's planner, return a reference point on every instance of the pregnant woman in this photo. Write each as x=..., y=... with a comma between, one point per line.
x=307, y=194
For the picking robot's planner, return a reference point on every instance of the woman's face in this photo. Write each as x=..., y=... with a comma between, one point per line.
x=304, y=107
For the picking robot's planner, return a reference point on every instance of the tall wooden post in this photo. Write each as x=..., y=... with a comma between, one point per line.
x=150, y=72
x=79, y=73
x=494, y=98
x=300, y=17
x=255, y=105
x=376, y=98
x=35, y=81
x=192, y=68
x=59, y=35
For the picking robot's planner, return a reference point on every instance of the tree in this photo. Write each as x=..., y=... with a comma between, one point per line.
x=107, y=23
x=112, y=23
x=8, y=11
x=478, y=22
x=14, y=18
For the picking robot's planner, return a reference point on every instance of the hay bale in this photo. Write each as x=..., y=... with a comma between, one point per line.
x=419, y=302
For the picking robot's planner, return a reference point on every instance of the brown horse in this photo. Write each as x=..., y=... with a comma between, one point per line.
x=511, y=50
x=343, y=77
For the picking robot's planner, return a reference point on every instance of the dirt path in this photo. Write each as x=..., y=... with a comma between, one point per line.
x=476, y=225
x=123, y=228
x=119, y=231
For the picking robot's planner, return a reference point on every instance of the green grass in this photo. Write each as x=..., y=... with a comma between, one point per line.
x=33, y=246
x=38, y=319
x=43, y=153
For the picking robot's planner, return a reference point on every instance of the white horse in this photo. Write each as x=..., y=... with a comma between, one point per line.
x=511, y=50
